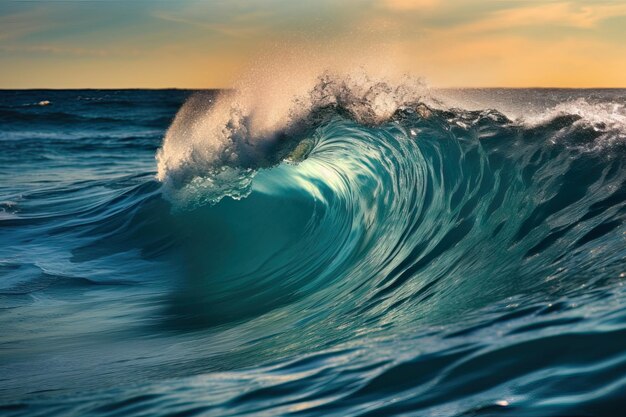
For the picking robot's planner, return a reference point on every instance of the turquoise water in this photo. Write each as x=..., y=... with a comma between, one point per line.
x=462, y=259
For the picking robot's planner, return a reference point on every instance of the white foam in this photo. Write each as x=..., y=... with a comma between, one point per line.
x=606, y=118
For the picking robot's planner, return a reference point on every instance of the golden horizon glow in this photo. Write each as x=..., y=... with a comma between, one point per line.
x=208, y=44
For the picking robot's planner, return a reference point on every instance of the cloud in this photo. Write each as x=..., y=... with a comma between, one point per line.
x=564, y=14
x=404, y=5
x=47, y=49
x=241, y=26
x=20, y=24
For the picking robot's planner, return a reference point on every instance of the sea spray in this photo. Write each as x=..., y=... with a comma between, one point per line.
x=213, y=148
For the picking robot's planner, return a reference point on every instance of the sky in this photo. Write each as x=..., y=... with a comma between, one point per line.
x=210, y=43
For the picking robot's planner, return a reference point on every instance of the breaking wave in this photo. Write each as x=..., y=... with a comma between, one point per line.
x=346, y=247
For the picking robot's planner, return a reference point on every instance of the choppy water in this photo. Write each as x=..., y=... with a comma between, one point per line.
x=459, y=256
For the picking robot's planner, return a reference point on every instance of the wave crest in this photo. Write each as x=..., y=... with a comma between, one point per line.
x=217, y=142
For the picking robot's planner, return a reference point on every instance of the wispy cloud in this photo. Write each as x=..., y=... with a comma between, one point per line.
x=565, y=14
x=44, y=49
x=404, y=5
x=17, y=25
x=238, y=26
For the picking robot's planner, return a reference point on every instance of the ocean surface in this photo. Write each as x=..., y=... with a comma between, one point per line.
x=460, y=253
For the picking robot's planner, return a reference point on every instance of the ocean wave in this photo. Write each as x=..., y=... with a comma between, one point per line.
x=407, y=201
x=607, y=119
x=55, y=118
x=382, y=253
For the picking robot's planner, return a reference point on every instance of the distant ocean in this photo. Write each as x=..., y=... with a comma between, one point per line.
x=458, y=254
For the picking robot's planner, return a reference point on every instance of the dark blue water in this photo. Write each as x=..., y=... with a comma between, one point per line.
x=463, y=256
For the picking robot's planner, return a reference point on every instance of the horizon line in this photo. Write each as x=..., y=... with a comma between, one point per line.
x=232, y=88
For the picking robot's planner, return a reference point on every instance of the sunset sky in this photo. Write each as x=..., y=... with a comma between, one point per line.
x=207, y=43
